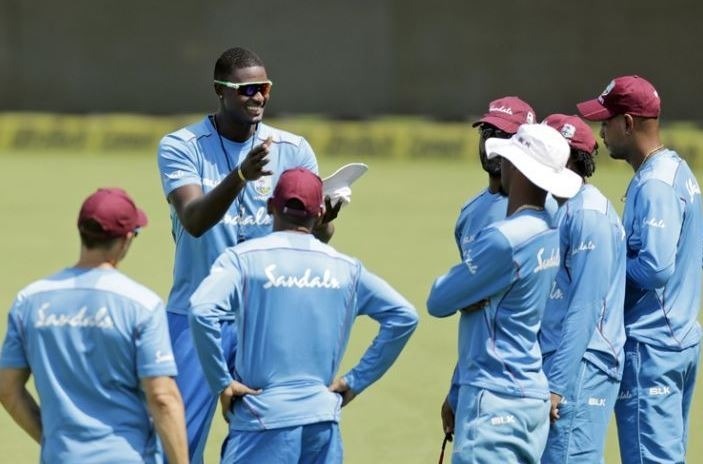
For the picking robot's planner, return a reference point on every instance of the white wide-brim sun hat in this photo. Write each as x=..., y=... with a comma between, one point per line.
x=539, y=152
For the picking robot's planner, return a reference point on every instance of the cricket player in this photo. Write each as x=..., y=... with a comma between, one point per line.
x=97, y=344
x=217, y=175
x=502, y=120
x=582, y=335
x=294, y=300
x=663, y=227
x=502, y=412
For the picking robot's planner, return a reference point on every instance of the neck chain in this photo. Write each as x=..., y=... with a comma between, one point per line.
x=525, y=207
x=213, y=119
x=654, y=150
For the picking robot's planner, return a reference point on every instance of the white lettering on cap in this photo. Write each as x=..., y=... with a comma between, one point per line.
x=501, y=109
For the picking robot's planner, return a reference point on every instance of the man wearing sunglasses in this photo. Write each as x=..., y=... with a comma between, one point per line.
x=217, y=175
x=663, y=230
x=502, y=120
x=97, y=345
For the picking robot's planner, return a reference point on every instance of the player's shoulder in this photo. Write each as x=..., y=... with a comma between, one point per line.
x=126, y=287
x=477, y=200
x=525, y=226
x=590, y=199
x=56, y=281
x=664, y=168
x=276, y=241
x=188, y=134
x=278, y=136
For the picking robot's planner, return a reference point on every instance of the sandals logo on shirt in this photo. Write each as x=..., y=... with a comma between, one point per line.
x=263, y=186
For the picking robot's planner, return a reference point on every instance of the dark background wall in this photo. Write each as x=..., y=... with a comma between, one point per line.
x=444, y=59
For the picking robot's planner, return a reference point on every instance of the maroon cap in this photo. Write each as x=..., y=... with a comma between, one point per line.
x=507, y=114
x=113, y=210
x=575, y=131
x=302, y=185
x=633, y=95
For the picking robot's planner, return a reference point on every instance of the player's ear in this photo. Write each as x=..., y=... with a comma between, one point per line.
x=629, y=123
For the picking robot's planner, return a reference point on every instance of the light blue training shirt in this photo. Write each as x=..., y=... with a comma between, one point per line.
x=88, y=336
x=584, y=313
x=194, y=155
x=664, y=235
x=294, y=299
x=511, y=264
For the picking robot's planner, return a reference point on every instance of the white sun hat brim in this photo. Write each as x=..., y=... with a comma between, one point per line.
x=562, y=183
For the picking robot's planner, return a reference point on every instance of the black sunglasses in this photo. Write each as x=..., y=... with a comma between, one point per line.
x=488, y=132
x=248, y=89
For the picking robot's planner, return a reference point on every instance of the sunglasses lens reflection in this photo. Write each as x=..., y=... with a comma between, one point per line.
x=252, y=89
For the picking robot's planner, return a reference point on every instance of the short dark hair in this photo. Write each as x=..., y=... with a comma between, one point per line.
x=92, y=236
x=235, y=58
x=584, y=163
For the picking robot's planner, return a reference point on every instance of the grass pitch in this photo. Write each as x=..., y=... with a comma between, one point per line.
x=400, y=223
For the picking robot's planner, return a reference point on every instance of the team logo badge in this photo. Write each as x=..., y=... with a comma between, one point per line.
x=568, y=131
x=263, y=186
x=608, y=89
x=530, y=117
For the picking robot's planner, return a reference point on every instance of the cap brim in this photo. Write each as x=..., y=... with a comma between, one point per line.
x=593, y=110
x=562, y=184
x=142, y=219
x=502, y=124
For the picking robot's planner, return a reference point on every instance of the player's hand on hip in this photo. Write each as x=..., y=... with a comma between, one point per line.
x=554, y=410
x=256, y=160
x=233, y=391
x=447, y=414
x=340, y=386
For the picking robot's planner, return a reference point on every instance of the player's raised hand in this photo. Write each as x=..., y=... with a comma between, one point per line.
x=256, y=160
x=447, y=419
x=340, y=386
x=331, y=212
x=231, y=392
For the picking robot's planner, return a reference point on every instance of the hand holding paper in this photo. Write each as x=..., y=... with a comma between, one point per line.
x=338, y=186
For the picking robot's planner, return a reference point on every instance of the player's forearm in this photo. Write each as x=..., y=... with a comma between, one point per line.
x=207, y=336
x=24, y=410
x=201, y=214
x=168, y=413
x=647, y=275
x=578, y=327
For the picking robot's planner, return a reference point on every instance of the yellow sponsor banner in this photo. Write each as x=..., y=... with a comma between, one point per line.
x=402, y=138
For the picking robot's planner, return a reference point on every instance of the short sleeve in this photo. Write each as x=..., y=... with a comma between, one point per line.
x=306, y=157
x=177, y=164
x=13, y=353
x=154, y=353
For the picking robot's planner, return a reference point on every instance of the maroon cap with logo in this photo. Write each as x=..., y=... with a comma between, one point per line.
x=507, y=114
x=632, y=95
x=302, y=185
x=113, y=211
x=575, y=131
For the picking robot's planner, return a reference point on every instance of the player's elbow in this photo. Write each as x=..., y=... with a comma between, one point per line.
x=162, y=396
x=436, y=304
x=649, y=278
x=10, y=388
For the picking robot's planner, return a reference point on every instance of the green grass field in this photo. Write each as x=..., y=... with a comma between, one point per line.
x=400, y=223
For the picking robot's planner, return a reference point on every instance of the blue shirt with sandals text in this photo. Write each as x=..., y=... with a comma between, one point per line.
x=194, y=155
x=511, y=264
x=294, y=299
x=583, y=318
x=664, y=236
x=89, y=336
